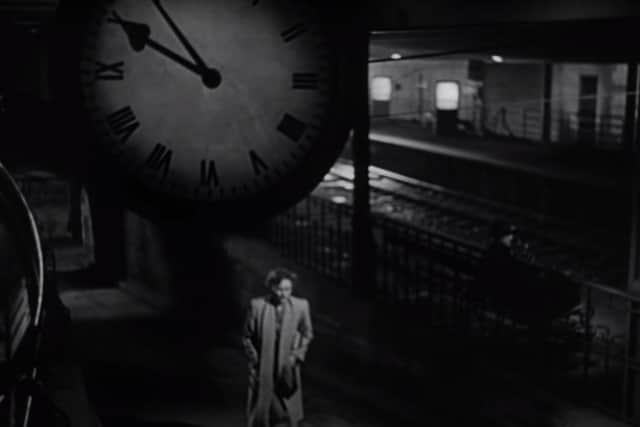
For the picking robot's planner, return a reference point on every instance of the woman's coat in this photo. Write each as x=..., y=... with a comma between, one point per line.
x=259, y=342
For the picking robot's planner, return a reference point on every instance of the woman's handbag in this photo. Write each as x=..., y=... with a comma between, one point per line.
x=287, y=383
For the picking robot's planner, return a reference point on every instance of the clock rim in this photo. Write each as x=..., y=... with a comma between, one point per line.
x=293, y=186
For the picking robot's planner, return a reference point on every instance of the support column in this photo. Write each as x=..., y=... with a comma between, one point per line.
x=362, y=246
x=631, y=386
x=546, y=111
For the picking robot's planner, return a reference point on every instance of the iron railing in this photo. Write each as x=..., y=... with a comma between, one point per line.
x=575, y=340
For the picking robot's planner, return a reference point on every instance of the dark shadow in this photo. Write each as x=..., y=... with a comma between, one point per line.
x=206, y=299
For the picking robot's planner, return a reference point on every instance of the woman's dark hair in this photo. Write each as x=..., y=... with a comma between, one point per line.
x=276, y=275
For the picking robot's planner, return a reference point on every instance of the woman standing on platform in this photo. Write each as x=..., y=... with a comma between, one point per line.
x=276, y=338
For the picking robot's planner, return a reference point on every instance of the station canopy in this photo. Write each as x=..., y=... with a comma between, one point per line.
x=588, y=41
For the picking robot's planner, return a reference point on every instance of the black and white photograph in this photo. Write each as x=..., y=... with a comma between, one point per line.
x=319, y=213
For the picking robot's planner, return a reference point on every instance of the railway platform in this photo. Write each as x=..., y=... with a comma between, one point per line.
x=580, y=184
x=564, y=162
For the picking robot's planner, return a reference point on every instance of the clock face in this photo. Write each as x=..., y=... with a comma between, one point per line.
x=219, y=102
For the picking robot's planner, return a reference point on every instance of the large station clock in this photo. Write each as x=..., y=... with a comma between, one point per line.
x=235, y=108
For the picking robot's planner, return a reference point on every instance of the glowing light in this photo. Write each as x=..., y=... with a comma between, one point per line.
x=497, y=58
x=447, y=95
x=396, y=55
x=339, y=199
x=381, y=89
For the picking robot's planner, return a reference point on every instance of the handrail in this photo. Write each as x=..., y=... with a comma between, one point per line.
x=491, y=205
x=541, y=268
x=418, y=267
x=470, y=245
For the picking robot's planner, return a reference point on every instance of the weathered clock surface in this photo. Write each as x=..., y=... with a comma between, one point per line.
x=227, y=104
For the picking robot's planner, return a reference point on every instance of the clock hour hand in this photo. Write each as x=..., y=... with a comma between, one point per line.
x=187, y=45
x=140, y=37
x=137, y=33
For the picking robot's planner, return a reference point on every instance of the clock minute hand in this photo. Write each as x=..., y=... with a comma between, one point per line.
x=174, y=56
x=139, y=38
x=187, y=45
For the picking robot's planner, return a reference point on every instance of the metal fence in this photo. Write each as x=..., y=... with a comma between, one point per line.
x=580, y=348
x=603, y=130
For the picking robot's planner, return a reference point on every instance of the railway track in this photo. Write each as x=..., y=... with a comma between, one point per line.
x=593, y=255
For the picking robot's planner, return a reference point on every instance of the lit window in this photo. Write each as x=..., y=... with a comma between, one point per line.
x=381, y=89
x=447, y=95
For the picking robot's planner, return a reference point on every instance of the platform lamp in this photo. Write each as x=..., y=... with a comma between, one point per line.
x=447, y=106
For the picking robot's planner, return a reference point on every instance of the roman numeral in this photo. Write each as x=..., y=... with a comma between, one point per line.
x=258, y=164
x=123, y=123
x=305, y=81
x=159, y=161
x=208, y=174
x=292, y=127
x=113, y=71
x=293, y=32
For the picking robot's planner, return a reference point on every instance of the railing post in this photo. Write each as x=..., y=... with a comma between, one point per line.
x=323, y=236
x=340, y=238
x=398, y=263
x=305, y=221
x=429, y=278
x=286, y=233
x=284, y=220
x=406, y=241
x=291, y=231
x=300, y=232
x=415, y=255
x=384, y=260
x=280, y=231
x=331, y=243
x=587, y=337
x=387, y=259
x=314, y=236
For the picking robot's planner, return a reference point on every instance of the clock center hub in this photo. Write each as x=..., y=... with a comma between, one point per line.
x=211, y=78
